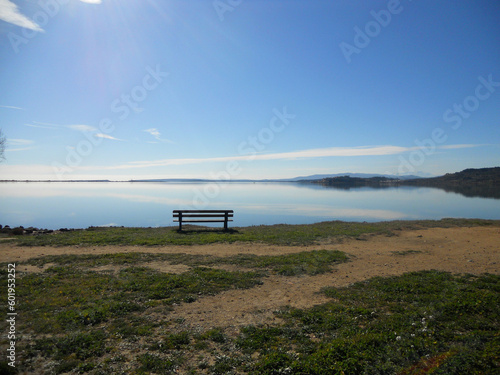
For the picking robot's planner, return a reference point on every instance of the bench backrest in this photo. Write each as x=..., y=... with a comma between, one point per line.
x=203, y=213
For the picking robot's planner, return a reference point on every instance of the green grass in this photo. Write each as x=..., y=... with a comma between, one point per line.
x=274, y=234
x=417, y=323
x=78, y=317
x=306, y=262
x=80, y=321
x=73, y=319
x=69, y=298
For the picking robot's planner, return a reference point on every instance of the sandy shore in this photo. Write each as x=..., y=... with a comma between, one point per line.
x=473, y=250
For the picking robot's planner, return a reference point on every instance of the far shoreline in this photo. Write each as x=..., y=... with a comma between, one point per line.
x=276, y=234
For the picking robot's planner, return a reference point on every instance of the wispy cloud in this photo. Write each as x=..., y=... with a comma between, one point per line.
x=11, y=106
x=9, y=12
x=47, y=124
x=453, y=147
x=156, y=133
x=19, y=144
x=75, y=127
x=92, y=129
x=82, y=128
x=107, y=136
x=41, y=126
x=293, y=155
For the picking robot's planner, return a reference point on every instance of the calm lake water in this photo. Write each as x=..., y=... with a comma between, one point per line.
x=80, y=205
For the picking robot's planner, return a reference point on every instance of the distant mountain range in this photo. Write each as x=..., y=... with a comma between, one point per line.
x=352, y=175
x=294, y=179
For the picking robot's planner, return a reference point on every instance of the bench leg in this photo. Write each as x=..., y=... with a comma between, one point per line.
x=225, y=221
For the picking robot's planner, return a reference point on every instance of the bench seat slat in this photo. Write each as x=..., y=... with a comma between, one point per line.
x=200, y=221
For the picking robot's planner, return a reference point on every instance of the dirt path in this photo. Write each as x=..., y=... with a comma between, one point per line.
x=459, y=250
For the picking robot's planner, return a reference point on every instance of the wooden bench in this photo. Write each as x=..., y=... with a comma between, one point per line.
x=203, y=216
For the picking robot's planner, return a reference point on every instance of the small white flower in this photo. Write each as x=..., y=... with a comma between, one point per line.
x=398, y=338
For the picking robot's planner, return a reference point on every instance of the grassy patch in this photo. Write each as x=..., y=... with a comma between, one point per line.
x=74, y=320
x=273, y=234
x=419, y=321
x=153, y=363
x=306, y=262
x=77, y=317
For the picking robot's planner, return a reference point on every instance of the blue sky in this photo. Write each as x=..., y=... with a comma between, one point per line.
x=123, y=89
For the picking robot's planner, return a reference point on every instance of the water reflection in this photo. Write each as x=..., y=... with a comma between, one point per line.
x=56, y=205
x=477, y=191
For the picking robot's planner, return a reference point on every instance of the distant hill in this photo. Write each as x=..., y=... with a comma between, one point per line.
x=467, y=177
x=483, y=182
x=294, y=179
x=347, y=182
x=354, y=175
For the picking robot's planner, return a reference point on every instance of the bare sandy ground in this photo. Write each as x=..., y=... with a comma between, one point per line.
x=473, y=250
